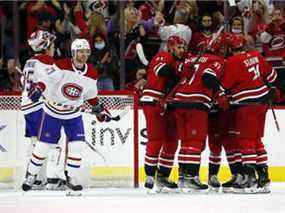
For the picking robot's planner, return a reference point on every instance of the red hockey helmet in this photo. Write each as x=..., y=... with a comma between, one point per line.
x=236, y=42
x=175, y=41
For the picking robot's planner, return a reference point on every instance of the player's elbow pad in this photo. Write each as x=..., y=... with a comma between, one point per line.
x=211, y=82
x=166, y=70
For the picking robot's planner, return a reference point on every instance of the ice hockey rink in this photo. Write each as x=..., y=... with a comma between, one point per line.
x=107, y=200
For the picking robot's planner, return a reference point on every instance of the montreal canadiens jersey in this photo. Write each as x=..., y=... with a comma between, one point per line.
x=246, y=75
x=67, y=88
x=193, y=89
x=35, y=68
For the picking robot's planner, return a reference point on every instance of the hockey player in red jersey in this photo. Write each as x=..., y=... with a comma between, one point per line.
x=245, y=81
x=161, y=128
x=192, y=102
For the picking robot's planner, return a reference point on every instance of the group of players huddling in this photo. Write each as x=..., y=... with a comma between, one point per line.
x=187, y=97
x=224, y=99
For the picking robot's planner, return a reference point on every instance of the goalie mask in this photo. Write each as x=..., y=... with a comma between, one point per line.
x=177, y=46
x=41, y=40
x=81, y=45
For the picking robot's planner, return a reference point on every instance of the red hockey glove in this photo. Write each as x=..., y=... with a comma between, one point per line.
x=161, y=105
x=36, y=91
x=276, y=94
x=101, y=113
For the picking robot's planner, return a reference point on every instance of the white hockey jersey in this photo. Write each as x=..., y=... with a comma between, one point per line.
x=35, y=68
x=68, y=88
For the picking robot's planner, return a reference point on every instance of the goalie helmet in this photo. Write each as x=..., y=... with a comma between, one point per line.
x=41, y=40
x=79, y=44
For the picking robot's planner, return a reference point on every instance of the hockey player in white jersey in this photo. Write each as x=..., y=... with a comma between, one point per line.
x=65, y=87
x=42, y=44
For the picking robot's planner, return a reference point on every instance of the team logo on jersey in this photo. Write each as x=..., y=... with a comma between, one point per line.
x=277, y=43
x=71, y=91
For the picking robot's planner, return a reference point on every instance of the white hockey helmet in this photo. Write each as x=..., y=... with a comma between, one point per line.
x=41, y=40
x=79, y=44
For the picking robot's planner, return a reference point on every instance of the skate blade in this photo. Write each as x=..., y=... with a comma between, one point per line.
x=150, y=191
x=194, y=191
x=165, y=190
x=264, y=190
x=214, y=189
x=227, y=190
x=245, y=191
x=71, y=193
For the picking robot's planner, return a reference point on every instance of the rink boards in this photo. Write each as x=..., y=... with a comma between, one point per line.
x=114, y=141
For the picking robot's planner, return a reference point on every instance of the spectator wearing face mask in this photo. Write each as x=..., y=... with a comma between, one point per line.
x=105, y=61
x=237, y=28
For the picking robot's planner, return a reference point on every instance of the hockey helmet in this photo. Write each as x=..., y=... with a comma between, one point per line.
x=175, y=41
x=41, y=40
x=236, y=42
x=79, y=44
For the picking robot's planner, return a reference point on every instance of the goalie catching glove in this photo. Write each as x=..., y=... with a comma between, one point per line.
x=102, y=114
x=36, y=91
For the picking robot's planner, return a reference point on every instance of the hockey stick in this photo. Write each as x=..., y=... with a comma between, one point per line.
x=85, y=110
x=89, y=111
x=274, y=115
x=96, y=151
x=141, y=55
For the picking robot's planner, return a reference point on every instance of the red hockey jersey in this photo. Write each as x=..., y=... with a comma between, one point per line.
x=193, y=89
x=156, y=85
x=276, y=46
x=246, y=75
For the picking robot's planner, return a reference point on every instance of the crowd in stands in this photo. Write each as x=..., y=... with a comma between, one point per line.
x=261, y=22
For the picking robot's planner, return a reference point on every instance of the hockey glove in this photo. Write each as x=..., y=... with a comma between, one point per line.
x=101, y=113
x=36, y=91
x=276, y=95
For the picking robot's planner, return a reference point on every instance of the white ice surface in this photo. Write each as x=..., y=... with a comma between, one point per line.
x=110, y=200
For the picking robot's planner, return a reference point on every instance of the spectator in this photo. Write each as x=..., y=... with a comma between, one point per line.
x=138, y=84
x=237, y=28
x=273, y=38
x=105, y=61
x=204, y=34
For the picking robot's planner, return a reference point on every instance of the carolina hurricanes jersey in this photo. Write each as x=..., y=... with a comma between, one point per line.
x=155, y=88
x=276, y=46
x=34, y=69
x=67, y=88
x=193, y=88
x=199, y=41
x=246, y=75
